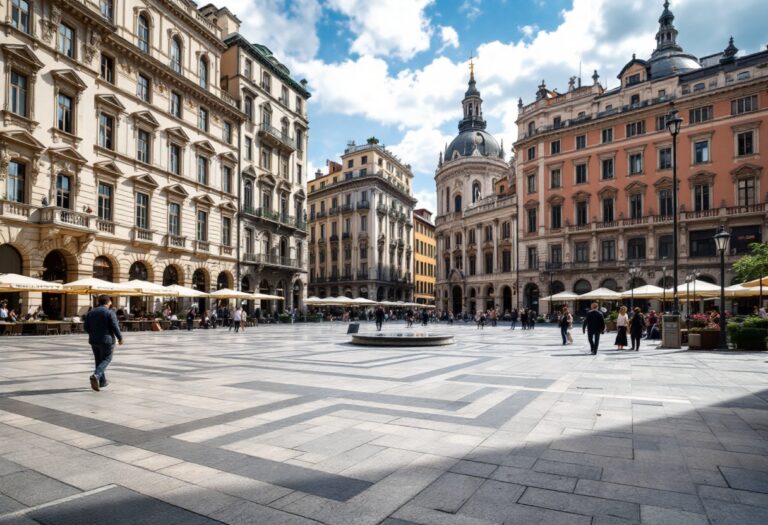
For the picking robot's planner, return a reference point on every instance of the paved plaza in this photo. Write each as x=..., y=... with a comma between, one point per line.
x=291, y=424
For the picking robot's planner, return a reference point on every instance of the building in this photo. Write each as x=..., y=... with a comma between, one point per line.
x=476, y=218
x=594, y=171
x=273, y=227
x=361, y=231
x=118, y=149
x=424, y=257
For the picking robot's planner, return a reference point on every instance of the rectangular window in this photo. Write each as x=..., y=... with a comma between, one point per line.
x=581, y=252
x=745, y=143
x=227, y=132
x=66, y=40
x=142, y=211
x=607, y=210
x=701, y=197
x=248, y=148
x=105, y=202
x=143, y=88
x=582, y=216
x=488, y=263
x=531, y=183
x=201, y=233
x=63, y=191
x=533, y=259
x=581, y=174
x=506, y=261
x=202, y=170
x=226, y=179
x=635, y=163
x=555, y=178
x=174, y=219
x=635, y=128
x=176, y=104
x=557, y=217
x=556, y=254
x=746, y=191
x=532, y=153
x=665, y=159
x=636, y=249
x=581, y=141
x=19, y=94
x=64, y=113
x=16, y=184
x=666, y=247
x=175, y=159
x=554, y=147
x=607, y=135
x=636, y=206
x=107, y=71
x=532, y=224
x=608, y=250
x=20, y=15
x=702, y=243
x=607, y=166
x=701, y=152
x=702, y=114
x=665, y=203
x=363, y=223
x=202, y=119
x=744, y=105
x=143, y=146
x=226, y=231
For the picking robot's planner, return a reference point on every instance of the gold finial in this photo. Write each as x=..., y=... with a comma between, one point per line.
x=471, y=67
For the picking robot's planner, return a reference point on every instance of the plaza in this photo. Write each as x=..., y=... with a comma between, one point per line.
x=292, y=424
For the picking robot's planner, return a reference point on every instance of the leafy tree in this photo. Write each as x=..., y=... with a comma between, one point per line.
x=754, y=265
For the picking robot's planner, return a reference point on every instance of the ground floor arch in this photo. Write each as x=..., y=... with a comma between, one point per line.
x=506, y=299
x=457, y=299
x=11, y=262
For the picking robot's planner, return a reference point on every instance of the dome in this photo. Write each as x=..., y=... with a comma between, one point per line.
x=673, y=64
x=464, y=144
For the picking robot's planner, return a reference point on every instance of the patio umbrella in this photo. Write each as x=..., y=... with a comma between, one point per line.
x=756, y=282
x=697, y=290
x=227, y=293
x=183, y=291
x=562, y=296
x=13, y=282
x=148, y=288
x=265, y=297
x=94, y=286
x=310, y=301
x=647, y=291
x=601, y=293
x=362, y=301
x=737, y=290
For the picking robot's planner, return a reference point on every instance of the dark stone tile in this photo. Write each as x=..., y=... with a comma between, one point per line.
x=744, y=479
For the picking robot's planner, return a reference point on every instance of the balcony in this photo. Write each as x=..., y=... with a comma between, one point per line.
x=334, y=238
x=10, y=210
x=274, y=260
x=276, y=138
x=202, y=247
x=363, y=205
x=142, y=236
x=335, y=210
x=382, y=208
x=105, y=226
x=249, y=257
x=67, y=219
x=225, y=251
x=346, y=236
x=347, y=208
x=175, y=242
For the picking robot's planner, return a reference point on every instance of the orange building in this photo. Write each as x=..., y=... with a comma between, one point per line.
x=594, y=171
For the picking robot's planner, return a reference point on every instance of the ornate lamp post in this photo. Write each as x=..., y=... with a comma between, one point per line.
x=663, y=288
x=633, y=272
x=721, y=239
x=673, y=126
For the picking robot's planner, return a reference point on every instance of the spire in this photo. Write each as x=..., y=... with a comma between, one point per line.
x=729, y=54
x=666, y=38
x=472, y=105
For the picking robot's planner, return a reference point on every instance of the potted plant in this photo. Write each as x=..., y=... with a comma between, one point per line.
x=610, y=323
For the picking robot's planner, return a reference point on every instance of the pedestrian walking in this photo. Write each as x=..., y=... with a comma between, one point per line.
x=101, y=326
x=190, y=319
x=531, y=320
x=636, y=326
x=513, y=316
x=622, y=322
x=494, y=317
x=238, y=318
x=379, y=318
x=524, y=319
x=566, y=320
x=594, y=325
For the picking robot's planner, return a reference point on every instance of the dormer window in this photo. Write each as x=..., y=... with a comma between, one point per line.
x=633, y=79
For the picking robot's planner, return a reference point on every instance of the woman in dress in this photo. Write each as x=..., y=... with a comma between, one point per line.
x=622, y=322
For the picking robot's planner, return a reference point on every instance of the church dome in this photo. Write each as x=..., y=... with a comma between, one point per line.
x=668, y=58
x=467, y=141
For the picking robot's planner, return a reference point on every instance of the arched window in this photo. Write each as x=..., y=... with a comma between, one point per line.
x=102, y=268
x=142, y=32
x=248, y=194
x=138, y=270
x=457, y=203
x=475, y=192
x=202, y=72
x=170, y=276
x=581, y=287
x=176, y=54
x=611, y=284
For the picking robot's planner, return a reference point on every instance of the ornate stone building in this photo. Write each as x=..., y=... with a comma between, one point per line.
x=424, y=257
x=594, y=170
x=476, y=218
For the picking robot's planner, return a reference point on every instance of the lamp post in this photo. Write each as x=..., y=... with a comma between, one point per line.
x=688, y=294
x=663, y=288
x=633, y=272
x=721, y=239
x=673, y=126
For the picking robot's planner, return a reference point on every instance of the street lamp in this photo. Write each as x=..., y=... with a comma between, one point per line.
x=663, y=288
x=673, y=126
x=721, y=239
x=633, y=272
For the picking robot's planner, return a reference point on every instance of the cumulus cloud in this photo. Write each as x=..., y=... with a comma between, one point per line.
x=426, y=199
x=471, y=8
x=449, y=38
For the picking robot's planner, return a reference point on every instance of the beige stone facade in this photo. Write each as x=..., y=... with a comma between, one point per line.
x=424, y=257
x=361, y=229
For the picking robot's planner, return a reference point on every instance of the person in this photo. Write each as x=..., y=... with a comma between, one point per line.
x=514, y=318
x=3, y=312
x=102, y=329
x=238, y=317
x=763, y=313
x=12, y=317
x=636, y=326
x=565, y=323
x=379, y=318
x=424, y=317
x=409, y=318
x=494, y=317
x=531, y=320
x=190, y=318
x=594, y=325
x=622, y=321
x=524, y=319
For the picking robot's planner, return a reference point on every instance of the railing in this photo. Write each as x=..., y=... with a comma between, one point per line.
x=142, y=234
x=382, y=208
x=334, y=238
x=202, y=246
x=175, y=241
x=334, y=210
x=105, y=226
x=64, y=217
x=346, y=235
x=15, y=209
x=489, y=204
x=225, y=250
x=347, y=207
x=275, y=260
x=363, y=205
x=249, y=257
x=271, y=131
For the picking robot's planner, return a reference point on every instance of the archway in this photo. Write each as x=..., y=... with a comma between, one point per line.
x=557, y=287
x=137, y=305
x=297, y=295
x=580, y=287
x=263, y=308
x=380, y=293
x=55, y=270
x=531, y=296
x=200, y=283
x=457, y=299
x=102, y=269
x=611, y=284
x=11, y=262
x=245, y=286
x=707, y=279
x=472, y=306
x=490, y=298
x=223, y=281
x=170, y=276
x=281, y=291
x=506, y=299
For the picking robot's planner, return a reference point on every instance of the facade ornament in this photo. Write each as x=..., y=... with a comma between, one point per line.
x=4, y=161
x=595, y=77
x=51, y=24
x=126, y=67
x=92, y=47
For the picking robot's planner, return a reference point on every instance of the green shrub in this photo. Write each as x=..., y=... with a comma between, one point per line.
x=613, y=315
x=284, y=318
x=756, y=322
x=748, y=338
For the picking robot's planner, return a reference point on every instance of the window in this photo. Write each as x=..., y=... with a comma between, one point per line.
x=143, y=146
x=20, y=15
x=607, y=166
x=635, y=163
x=142, y=88
x=745, y=143
x=66, y=40
x=556, y=222
x=300, y=139
x=557, y=122
x=608, y=210
x=266, y=158
x=665, y=159
x=607, y=135
x=702, y=114
x=635, y=206
x=665, y=250
x=532, y=224
x=201, y=233
x=176, y=54
x=635, y=128
x=106, y=131
x=64, y=115
x=556, y=254
x=531, y=185
x=248, y=68
x=555, y=178
x=533, y=259
x=634, y=100
x=298, y=174
x=248, y=108
x=702, y=243
x=16, y=183
x=701, y=197
x=202, y=119
x=248, y=195
x=249, y=244
x=266, y=82
x=63, y=191
x=226, y=179
x=744, y=105
x=248, y=148
x=174, y=163
x=488, y=267
x=472, y=264
x=107, y=71
x=608, y=250
x=582, y=216
x=746, y=191
x=532, y=153
x=176, y=104
x=226, y=231
x=581, y=252
x=581, y=141
x=107, y=9
x=202, y=170
x=506, y=261
x=284, y=95
x=105, y=201
x=227, y=132
x=363, y=223
x=636, y=249
x=174, y=219
x=142, y=33
x=701, y=151
x=554, y=147
x=633, y=79
x=581, y=174
x=665, y=203
x=531, y=128
x=202, y=72
x=299, y=105
x=19, y=94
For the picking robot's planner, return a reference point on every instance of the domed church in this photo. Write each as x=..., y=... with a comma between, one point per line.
x=476, y=217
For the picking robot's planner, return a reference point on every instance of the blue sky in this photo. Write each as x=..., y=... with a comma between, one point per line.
x=397, y=69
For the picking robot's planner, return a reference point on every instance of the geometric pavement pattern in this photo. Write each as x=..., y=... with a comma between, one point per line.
x=291, y=424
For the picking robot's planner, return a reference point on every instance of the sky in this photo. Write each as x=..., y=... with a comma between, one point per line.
x=398, y=69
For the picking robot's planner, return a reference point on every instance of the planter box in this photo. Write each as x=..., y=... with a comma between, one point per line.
x=705, y=340
x=610, y=326
x=694, y=340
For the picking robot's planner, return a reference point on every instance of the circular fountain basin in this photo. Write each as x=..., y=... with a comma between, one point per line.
x=402, y=339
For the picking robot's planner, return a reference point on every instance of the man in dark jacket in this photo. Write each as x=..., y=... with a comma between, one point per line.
x=594, y=325
x=101, y=326
x=379, y=317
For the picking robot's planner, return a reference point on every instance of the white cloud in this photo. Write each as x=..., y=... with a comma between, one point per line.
x=427, y=199
x=387, y=27
x=449, y=38
x=471, y=8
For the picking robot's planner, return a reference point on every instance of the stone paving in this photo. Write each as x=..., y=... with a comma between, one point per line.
x=290, y=424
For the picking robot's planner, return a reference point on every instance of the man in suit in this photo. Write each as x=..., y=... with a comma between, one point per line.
x=101, y=326
x=594, y=325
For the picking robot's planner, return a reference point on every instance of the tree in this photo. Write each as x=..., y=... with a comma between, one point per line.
x=754, y=265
